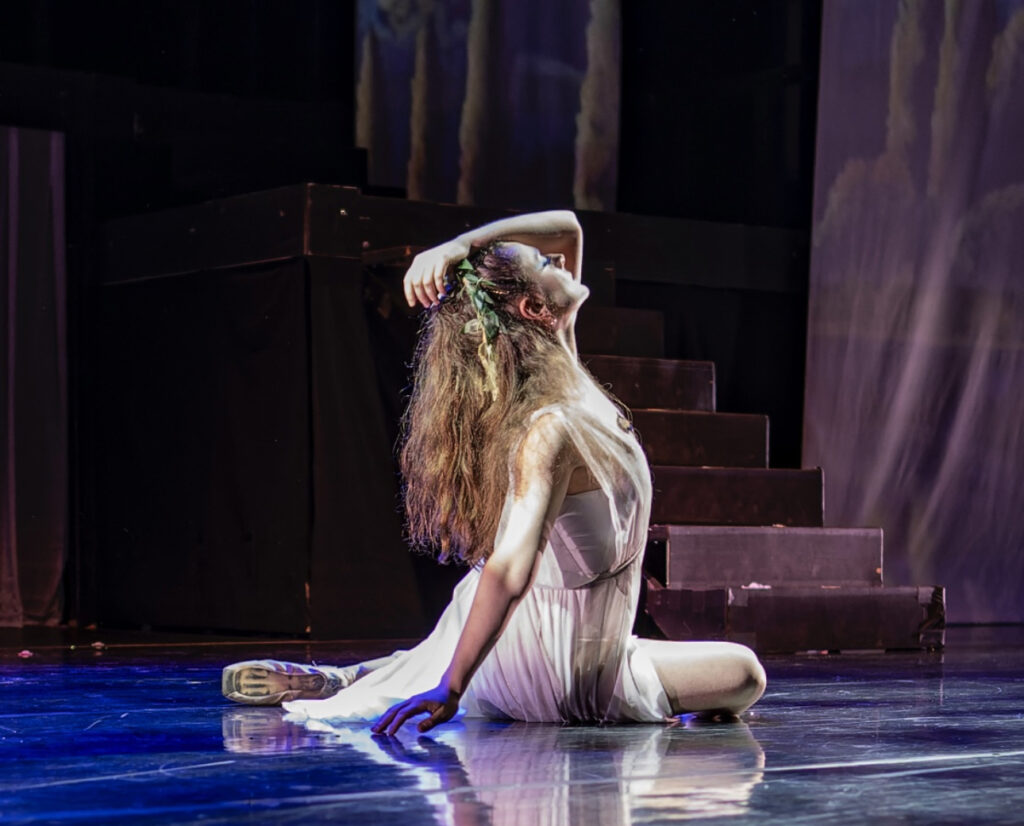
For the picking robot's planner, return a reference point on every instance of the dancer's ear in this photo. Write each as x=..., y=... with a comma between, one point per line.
x=533, y=309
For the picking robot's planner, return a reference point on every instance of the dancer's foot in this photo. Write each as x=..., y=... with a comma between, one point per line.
x=271, y=682
x=716, y=716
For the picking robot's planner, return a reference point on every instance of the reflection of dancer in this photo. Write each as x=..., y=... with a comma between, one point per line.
x=477, y=771
x=517, y=463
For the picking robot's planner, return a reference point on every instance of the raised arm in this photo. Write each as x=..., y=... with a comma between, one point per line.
x=540, y=479
x=555, y=231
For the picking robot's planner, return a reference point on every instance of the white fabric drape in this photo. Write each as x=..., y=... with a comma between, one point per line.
x=915, y=370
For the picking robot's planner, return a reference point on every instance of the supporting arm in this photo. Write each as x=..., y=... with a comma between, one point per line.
x=539, y=483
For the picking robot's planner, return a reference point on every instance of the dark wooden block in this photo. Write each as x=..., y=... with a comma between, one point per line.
x=668, y=384
x=785, y=620
x=620, y=331
x=698, y=556
x=302, y=220
x=687, y=437
x=328, y=222
x=738, y=496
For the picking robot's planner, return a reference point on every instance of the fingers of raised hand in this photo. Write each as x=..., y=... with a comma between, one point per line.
x=415, y=291
x=425, y=292
x=410, y=295
x=424, y=281
x=438, y=275
x=412, y=284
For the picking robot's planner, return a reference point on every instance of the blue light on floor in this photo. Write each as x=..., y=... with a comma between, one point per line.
x=141, y=735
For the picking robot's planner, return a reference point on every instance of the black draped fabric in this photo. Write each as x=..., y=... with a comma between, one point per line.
x=33, y=378
x=245, y=474
x=204, y=460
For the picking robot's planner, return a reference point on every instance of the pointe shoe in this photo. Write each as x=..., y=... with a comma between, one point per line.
x=272, y=682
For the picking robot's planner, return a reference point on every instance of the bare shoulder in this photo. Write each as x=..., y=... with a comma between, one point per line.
x=545, y=455
x=546, y=432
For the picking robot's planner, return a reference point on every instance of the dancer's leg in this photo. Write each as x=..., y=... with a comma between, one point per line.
x=707, y=676
x=270, y=682
x=351, y=673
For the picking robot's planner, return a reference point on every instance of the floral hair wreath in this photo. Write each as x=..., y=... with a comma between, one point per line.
x=488, y=322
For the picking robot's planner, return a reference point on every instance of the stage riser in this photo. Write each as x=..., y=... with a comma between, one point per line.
x=620, y=331
x=787, y=620
x=684, y=437
x=737, y=496
x=656, y=383
x=707, y=557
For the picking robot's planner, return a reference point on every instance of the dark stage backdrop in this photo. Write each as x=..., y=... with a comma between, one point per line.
x=915, y=370
x=33, y=377
x=511, y=104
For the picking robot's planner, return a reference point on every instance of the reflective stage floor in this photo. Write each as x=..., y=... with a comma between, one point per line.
x=137, y=732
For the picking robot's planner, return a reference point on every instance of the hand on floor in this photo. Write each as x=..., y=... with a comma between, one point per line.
x=440, y=703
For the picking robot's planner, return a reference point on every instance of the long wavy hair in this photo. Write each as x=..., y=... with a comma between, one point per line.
x=458, y=434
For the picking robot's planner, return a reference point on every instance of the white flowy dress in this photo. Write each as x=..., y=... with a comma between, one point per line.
x=567, y=653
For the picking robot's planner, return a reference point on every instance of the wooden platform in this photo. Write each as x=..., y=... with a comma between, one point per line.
x=737, y=496
x=697, y=556
x=811, y=618
x=690, y=438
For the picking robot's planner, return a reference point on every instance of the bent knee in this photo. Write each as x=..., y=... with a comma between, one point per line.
x=708, y=676
x=752, y=680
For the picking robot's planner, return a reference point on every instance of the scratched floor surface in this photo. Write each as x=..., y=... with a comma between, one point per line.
x=137, y=732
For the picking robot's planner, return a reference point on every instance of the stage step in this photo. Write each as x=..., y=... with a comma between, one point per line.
x=686, y=437
x=620, y=331
x=655, y=382
x=697, y=556
x=789, y=619
x=737, y=496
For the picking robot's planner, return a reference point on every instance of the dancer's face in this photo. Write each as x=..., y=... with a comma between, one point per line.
x=548, y=272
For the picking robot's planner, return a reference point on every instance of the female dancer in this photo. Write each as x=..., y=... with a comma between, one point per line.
x=517, y=463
